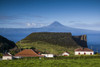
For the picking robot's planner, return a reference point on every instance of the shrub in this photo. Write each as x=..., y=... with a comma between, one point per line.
x=1, y=55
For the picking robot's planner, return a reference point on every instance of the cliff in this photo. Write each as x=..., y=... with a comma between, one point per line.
x=81, y=40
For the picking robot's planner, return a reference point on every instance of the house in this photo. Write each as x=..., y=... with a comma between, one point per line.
x=84, y=51
x=27, y=53
x=48, y=55
x=7, y=56
x=65, y=54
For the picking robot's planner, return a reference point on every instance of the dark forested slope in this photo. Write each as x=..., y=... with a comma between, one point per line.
x=6, y=44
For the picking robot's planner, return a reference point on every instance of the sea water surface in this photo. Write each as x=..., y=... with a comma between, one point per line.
x=93, y=42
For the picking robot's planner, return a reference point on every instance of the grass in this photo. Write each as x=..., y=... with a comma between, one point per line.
x=47, y=47
x=35, y=62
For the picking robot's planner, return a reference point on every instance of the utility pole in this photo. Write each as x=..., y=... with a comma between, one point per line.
x=97, y=50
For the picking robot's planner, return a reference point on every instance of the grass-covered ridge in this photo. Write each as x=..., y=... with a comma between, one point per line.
x=47, y=42
x=62, y=39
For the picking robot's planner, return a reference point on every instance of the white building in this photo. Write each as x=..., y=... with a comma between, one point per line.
x=84, y=51
x=7, y=56
x=65, y=54
x=17, y=57
x=48, y=55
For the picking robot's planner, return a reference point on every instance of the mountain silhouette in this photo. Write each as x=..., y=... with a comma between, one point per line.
x=56, y=23
x=58, y=27
x=16, y=34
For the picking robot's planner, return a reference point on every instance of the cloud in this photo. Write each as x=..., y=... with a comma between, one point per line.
x=20, y=21
x=17, y=17
x=11, y=23
x=28, y=24
x=35, y=25
x=97, y=24
x=72, y=22
x=38, y=16
x=85, y=25
x=19, y=24
x=32, y=16
x=8, y=17
x=31, y=24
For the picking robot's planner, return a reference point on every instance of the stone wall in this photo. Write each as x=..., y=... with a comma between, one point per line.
x=81, y=40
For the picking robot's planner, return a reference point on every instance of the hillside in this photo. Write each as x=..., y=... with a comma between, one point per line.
x=6, y=44
x=47, y=42
x=45, y=47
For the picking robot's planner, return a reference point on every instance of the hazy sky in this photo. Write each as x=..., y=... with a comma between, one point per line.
x=83, y=14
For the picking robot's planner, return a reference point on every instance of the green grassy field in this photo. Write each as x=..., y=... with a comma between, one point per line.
x=36, y=62
x=47, y=47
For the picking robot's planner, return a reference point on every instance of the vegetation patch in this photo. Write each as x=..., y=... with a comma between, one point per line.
x=47, y=47
x=36, y=62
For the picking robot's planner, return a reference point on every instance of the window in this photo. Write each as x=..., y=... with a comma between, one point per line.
x=90, y=53
x=84, y=53
x=78, y=53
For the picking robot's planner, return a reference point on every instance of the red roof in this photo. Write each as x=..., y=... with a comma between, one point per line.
x=83, y=49
x=7, y=54
x=28, y=53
